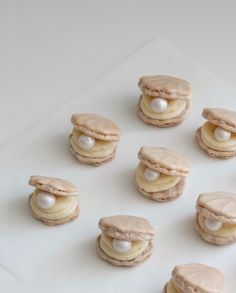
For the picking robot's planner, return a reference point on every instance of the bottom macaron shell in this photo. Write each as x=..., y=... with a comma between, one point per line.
x=214, y=239
x=165, y=195
x=92, y=161
x=210, y=151
x=163, y=123
x=126, y=263
x=67, y=219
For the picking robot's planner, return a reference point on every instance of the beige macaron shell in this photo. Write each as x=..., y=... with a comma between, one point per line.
x=223, y=118
x=53, y=185
x=125, y=227
x=164, y=160
x=163, y=123
x=198, y=278
x=96, y=126
x=126, y=263
x=165, y=86
x=218, y=205
x=213, y=153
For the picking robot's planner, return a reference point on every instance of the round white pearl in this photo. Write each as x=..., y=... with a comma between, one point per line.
x=159, y=105
x=86, y=142
x=151, y=175
x=212, y=225
x=221, y=134
x=121, y=245
x=45, y=200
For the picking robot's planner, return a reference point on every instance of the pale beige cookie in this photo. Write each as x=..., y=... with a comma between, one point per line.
x=166, y=195
x=55, y=222
x=54, y=201
x=161, y=173
x=94, y=139
x=217, y=137
x=126, y=263
x=125, y=240
x=223, y=118
x=92, y=161
x=165, y=100
x=96, y=126
x=53, y=185
x=211, y=152
x=165, y=86
x=216, y=217
x=195, y=277
x=163, y=123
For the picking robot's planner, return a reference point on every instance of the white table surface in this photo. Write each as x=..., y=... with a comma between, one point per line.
x=50, y=51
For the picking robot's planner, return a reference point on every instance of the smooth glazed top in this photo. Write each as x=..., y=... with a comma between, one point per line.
x=219, y=204
x=172, y=87
x=127, y=228
x=96, y=126
x=198, y=278
x=53, y=185
x=223, y=118
x=164, y=160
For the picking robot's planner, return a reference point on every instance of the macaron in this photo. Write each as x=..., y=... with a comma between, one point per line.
x=216, y=217
x=54, y=201
x=94, y=139
x=165, y=100
x=195, y=277
x=161, y=173
x=217, y=137
x=125, y=240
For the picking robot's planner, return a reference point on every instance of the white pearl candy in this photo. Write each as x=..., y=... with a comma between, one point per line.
x=45, y=200
x=121, y=245
x=212, y=225
x=221, y=134
x=159, y=105
x=86, y=142
x=151, y=175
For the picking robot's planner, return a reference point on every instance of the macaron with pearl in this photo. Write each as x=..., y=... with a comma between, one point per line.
x=54, y=201
x=165, y=100
x=195, y=278
x=161, y=173
x=94, y=139
x=125, y=240
x=217, y=136
x=216, y=217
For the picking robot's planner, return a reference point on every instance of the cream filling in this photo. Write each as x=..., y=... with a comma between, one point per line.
x=225, y=231
x=136, y=249
x=164, y=182
x=64, y=206
x=100, y=149
x=171, y=288
x=207, y=135
x=175, y=108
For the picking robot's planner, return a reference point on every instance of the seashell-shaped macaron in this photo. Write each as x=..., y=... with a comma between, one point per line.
x=217, y=136
x=161, y=173
x=54, y=201
x=125, y=240
x=165, y=100
x=94, y=138
x=195, y=277
x=216, y=217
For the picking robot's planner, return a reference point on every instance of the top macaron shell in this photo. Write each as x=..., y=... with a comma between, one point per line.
x=53, y=185
x=223, y=118
x=126, y=227
x=164, y=161
x=198, y=278
x=169, y=86
x=96, y=126
x=218, y=205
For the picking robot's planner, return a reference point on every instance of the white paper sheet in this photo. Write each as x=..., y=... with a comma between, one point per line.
x=64, y=259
